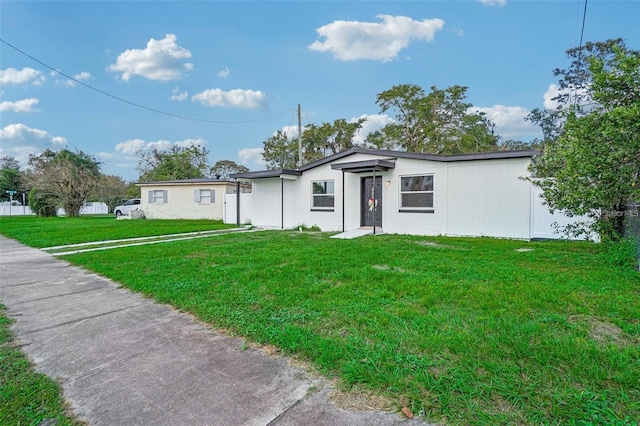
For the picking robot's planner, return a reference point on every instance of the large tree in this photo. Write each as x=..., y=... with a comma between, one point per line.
x=318, y=141
x=68, y=177
x=177, y=162
x=223, y=168
x=593, y=167
x=440, y=122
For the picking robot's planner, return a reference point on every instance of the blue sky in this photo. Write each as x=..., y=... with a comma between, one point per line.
x=240, y=68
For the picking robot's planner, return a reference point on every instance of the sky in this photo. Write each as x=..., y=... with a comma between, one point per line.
x=112, y=77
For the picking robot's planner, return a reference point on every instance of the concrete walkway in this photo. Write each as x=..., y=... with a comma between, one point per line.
x=124, y=360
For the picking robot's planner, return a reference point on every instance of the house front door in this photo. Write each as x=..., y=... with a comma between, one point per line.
x=371, y=202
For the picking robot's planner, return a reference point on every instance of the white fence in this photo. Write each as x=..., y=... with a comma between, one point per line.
x=230, y=213
x=88, y=208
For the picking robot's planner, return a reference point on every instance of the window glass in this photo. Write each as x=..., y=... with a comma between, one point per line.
x=416, y=192
x=322, y=194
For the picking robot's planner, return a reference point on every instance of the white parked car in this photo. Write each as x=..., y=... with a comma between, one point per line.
x=125, y=209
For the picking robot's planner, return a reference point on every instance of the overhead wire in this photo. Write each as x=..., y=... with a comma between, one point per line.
x=135, y=104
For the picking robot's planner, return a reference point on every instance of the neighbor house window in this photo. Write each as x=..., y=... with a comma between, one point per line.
x=158, y=196
x=204, y=196
x=322, y=194
x=416, y=193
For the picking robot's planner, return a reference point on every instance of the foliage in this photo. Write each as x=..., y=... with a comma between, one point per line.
x=440, y=122
x=329, y=138
x=27, y=397
x=69, y=177
x=593, y=167
x=485, y=333
x=513, y=145
x=318, y=141
x=176, y=163
x=223, y=168
x=43, y=204
x=11, y=178
x=280, y=152
x=132, y=191
x=111, y=190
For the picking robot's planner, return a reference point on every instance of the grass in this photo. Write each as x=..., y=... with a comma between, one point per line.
x=54, y=231
x=466, y=331
x=27, y=397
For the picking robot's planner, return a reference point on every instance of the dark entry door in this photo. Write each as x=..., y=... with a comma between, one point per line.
x=371, y=202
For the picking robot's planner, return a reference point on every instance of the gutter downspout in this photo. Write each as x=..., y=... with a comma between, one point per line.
x=238, y=203
x=281, y=203
x=343, y=207
x=374, y=200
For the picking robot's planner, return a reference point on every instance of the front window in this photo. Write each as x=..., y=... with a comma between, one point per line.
x=416, y=193
x=322, y=193
x=204, y=196
x=158, y=196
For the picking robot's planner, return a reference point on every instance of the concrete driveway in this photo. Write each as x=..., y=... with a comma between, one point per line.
x=124, y=360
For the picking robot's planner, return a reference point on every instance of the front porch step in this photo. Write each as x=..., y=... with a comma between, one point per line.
x=355, y=233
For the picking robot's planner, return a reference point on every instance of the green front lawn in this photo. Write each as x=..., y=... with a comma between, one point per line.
x=56, y=231
x=462, y=330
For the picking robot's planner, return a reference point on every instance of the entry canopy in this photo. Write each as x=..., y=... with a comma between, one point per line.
x=366, y=165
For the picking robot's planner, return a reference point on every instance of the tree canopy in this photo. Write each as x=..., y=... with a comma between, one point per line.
x=11, y=177
x=440, y=122
x=592, y=167
x=177, y=162
x=223, y=168
x=64, y=176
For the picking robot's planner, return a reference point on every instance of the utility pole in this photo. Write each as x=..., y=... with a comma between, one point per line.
x=299, y=137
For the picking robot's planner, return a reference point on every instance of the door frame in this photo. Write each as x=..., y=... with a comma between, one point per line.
x=366, y=205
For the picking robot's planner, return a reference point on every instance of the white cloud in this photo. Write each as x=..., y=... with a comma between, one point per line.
x=354, y=40
x=65, y=82
x=251, y=156
x=552, y=92
x=131, y=146
x=178, y=95
x=104, y=155
x=374, y=123
x=224, y=73
x=161, y=60
x=510, y=121
x=19, y=140
x=23, y=76
x=23, y=105
x=236, y=98
x=497, y=3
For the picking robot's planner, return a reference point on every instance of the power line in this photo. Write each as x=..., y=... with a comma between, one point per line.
x=137, y=105
x=584, y=17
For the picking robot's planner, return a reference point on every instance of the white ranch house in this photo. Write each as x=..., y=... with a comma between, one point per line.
x=400, y=192
x=187, y=199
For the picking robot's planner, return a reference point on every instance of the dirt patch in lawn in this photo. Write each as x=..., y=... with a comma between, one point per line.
x=603, y=331
x=356, y=399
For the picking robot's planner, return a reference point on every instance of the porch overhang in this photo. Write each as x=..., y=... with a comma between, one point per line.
x=366, y=165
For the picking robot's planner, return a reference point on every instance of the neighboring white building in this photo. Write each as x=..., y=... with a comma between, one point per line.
x=187, y=199
x=405, y=193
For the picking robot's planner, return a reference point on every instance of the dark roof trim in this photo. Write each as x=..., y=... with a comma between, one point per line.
x=366, y=165
x=496, y=155
x=265, y=174
x=188, y=181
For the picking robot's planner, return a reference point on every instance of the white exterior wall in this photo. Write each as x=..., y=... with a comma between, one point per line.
x=266, y=203
x=415, y=223
x=544, y=224
x=488, y=198
x=181, y=203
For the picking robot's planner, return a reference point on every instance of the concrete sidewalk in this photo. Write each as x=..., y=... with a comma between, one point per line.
x=124, y=360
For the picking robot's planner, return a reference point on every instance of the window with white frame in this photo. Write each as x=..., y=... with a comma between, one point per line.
x=204, y=196
x=158, y=196
x=416, y=193
x=322, y=195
